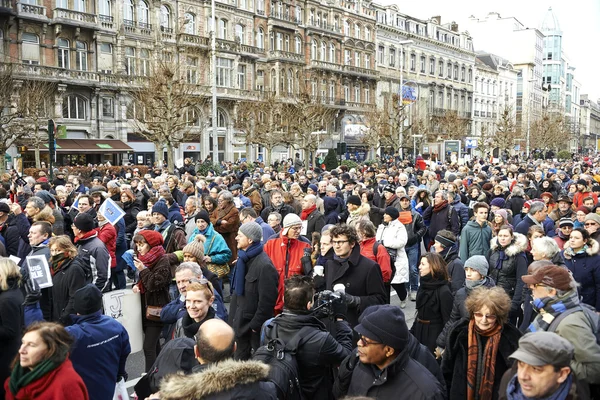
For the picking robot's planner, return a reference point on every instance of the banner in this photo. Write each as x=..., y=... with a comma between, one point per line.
x=39, y=271
x=111, y=211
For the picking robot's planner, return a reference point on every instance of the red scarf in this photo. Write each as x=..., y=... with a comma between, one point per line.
x=440, y=206
x=486, y=386
x=86, y=235
x=149, y=259
x=390, y=200
x=305, y=213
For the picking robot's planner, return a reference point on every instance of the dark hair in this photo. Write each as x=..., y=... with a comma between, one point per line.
x=210, y=199
x=447, y=234
x=168, y=199
x=507, y=228
x=248, y=211
x=479, y=205
x=275, y=191
x=368, y=192
x=344, y=230
x=44, y=185
x=299, y=291
x=209, y=353
x=153, y=200
x=437, y=265
x=45, y=227
x=138, y=238
x=584, y=234
x=87, y=196
x=55, y=337
x=366, y=227
x=533, y=229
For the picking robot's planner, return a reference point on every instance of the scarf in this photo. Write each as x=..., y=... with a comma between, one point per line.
x=473, y=284
x=239, y=275
x=502, y=255
x=57, y=261
x=190, y=326
x=481, y=363
x=86, y=235
x=405, y=217
x=21, y=377
x=570, y=253
x=390, y=200
x=440, y=206
x=514, y=392
x=427, y=290
x=549, y=308
x=149, y=259
x=305, y=213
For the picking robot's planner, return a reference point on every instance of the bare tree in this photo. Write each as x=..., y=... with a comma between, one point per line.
x=164, y=104
x=451, y=126
x=549, y=132
x=388, y=125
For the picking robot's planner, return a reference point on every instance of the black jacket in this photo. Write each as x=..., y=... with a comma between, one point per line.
x=131, y=208
x=361, y=277
x=179, y=196
x=315, y=222
x=403, y=378
x=15, y=231
x=514, y=266
x=283, y=210
x=434, y=305
x=456, y=270
x=318, y=352
x=416, y=229
x=441, y=220
x=248, y=312
x=11, y=325
x=423, y=356
x=66, y=281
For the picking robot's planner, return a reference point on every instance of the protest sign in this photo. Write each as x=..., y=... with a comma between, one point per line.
x=39, y=271
x=111, y=211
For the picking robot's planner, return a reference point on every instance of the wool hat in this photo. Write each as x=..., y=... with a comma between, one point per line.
x=544, y=348
x=355, y=200
x=291, y=219
x=252, y=231
x=84, y=222
x=569, y=221
x=313, y=187
x=479, y=264
x=582, y=182
x=161, y=208
x=46, y=196
x=502, y=212
x=4, y=207
x=153, y=238
x=392, y=212
x=498, y=202
x=203, y=214
x=384, y=324
x=566, y=199
x=551, y=276
x=87, y=300
x=583, y=209
x=389, y=188
x=593, y=217
x=196, y=247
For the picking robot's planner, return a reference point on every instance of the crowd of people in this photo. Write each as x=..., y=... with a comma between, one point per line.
x=501, y=262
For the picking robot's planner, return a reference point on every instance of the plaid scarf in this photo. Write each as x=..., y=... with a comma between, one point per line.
x=481, y=363
x=549, y=308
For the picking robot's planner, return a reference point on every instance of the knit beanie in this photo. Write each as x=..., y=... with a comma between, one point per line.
x=252, y=231
x=84, y=222
x=196, y=247
x=479, y=264
x=392, y=212
x=153, y=238
x=290, y=220
x=313, y=187
x=384, y=324
x=87, y=300
x=593, y=217
x=161, y=208
x=355, y=200
x=498, y=202
x=203, y=214
x=582, y=182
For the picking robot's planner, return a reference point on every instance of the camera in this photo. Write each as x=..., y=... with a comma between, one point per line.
x=325, y=303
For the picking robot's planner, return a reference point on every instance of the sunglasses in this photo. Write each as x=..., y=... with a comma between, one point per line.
x=364, y=342
x=205, y=282
x=489, y=317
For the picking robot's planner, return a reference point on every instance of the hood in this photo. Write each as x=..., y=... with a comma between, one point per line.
x=330, y=204
x=518, y=245
x=364, y=209
x=217, y=378
x=592, y=250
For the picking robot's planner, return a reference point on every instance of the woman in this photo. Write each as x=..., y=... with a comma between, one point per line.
x=508, y=263
x=533, y=233
x=43, y=370
x=476, y=195
x=216, y=251
x=131, y=207
x=548, y=200
x=374, y=250
x=582, y=259
x=392, y=234
x=226, y=220
x=500, y=219
x=297, y=192
x=291, y=201
x=155, y=277
x=195, y=251
x=478, y=349
x=68, y=276
x=209, y=204
x=581, y=213
x=434, y=300
x=11, y=316
x=446, y=245
x=199, y=298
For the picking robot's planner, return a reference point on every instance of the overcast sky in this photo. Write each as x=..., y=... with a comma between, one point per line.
x=578, y=19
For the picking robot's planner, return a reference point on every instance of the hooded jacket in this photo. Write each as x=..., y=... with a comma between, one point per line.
x=95, y=259
x=475, y=240
x=15, y=232
x=214, y=245
x=508, y=273
x=585, y=267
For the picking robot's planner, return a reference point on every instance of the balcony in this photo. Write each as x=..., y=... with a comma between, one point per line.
x=76, y=18
x=194, y=40
x=286, y=56
x=326, y=66
x=260, y=12
x=323, y=26
x=283, y=20
x=137, y=28
x=362, y=72
x=238, y=94
x=53, y=73
x=6, y=7
x=166, y=34
x=31, y=11
x=354, y=104
x=106, y=22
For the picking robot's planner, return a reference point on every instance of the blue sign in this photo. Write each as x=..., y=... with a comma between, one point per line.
x=409, y=94
x=470, y=143
x=111, y=211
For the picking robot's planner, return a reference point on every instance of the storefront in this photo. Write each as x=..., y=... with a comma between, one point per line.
x=82, y=152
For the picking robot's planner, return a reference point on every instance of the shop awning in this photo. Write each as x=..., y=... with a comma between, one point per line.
x=89, y=146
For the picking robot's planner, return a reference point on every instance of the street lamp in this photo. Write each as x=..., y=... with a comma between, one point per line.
x=529, y=116
x=401, y=44
x=213, y=50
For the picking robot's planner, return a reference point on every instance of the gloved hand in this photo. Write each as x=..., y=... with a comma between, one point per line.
x=339, y=308
x=352, y=301
x=33, y=293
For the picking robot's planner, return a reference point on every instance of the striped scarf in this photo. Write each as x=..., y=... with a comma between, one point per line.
x=549, y=308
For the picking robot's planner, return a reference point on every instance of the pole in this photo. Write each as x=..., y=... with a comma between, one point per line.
x=213, y=48
x=400, y=152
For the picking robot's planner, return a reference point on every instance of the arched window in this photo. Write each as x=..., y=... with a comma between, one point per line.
x=323, y=54
x=74, y=107
x=128, y=10
x=105, y=7
x=63, y=53
x=143, y=12
x=346, y=28
x=165, y=17
x=298, y=45
x=290, y=82
x=260, y=38
x=367, y=34
x=273, y=81
x=130, y=61
x=221, y=119
x=357, y=31
x=331, y=53
x=240, y=33
x=190, y=23
x=192, y=117
x=222, y=33
x=81, y=56
x=313, y=50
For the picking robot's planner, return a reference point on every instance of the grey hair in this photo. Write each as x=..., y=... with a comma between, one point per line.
x=276, y=215
x=189, y=266
x=536, y=206
x=330, y=188
x=37, y=202
x=402, y=175
x=547, y=246
x=518, y=191
x=443, y=193
x=311, y=197
x=226, y=195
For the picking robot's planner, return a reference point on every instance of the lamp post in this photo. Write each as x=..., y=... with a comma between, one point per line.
x=529, y=116
x=213, y=49
x=402, y=43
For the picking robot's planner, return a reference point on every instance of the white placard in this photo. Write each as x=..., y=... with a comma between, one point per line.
x=39, y=271
x=125, y=306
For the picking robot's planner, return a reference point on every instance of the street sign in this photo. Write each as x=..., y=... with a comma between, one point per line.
x=470, y=143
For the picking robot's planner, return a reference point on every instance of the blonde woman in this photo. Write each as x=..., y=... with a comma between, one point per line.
x=11, y=318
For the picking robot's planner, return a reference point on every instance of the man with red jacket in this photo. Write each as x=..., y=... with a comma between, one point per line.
x=582, y=193
x=286, y=252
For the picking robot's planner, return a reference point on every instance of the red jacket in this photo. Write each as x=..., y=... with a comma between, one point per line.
x=108, y=234
x=383, y=258
x=579, y=196
x=279, y=250
x=61, y=383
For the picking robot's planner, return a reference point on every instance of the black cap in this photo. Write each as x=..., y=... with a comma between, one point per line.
x=385, y=324
x=87, y=300
x=355, y=200
x=392, y=212
x=84, y=222
x=236, y=187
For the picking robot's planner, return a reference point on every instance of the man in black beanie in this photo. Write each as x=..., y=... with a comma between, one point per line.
x=101, y=344
x=92, y=251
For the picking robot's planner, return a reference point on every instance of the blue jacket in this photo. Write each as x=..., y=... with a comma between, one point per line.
x=175, y=213
x=99, y=353
x=462, y=210
x=176, y=309
x=215, y=248
x=266, y=228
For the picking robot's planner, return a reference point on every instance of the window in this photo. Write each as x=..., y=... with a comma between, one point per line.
x=298, y=45
x=441, y=67
x=260, y=7
x=143, y=12
x=357, y=94
x=106, y=48
x=242, y=4
x=346, y=28
x=260, y=38
x=165, y=17
x=59, y=3
x=367, y=34
x=413, y=62
x=392, y=57
x=192, y=71
x=224, y=69
x=190, y=23
x=240, y=34
x=367, y=94
x=336, y=23
x=323, y=54
x=81, y=56
x=286, y=43
x=331, y=53
x=380, y=55
x=449, y=71
x=347, y=57
x=242, y=76
x=357, y=59
x=357, y=31
x=63, y=53
x=74, y=107
x=222, y=29
x=313, y=50
x=313, y=87
x=105, y=7
x=30, y=49
x=463, y=73
x=128, y=10
x=298, y=14
x=432, y=66
x=311, y=17
x=290, y=82
x=456, y=72
x=130, y=61
x=346, y=92
x=422, y=64
x=79, y=5
x=108, y=107
x=192, y=117
x=279, y=41
x=144, y=62
x=367, y=61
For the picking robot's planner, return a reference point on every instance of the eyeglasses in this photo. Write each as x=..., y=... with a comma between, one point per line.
x=590, y=224
x=205, y=282
x=489, y=317
x=339, y=242
x=364, y=342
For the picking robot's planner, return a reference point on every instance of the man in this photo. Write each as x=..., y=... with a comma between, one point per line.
x=542, y=370
x=174, y=212
x=39, y=236
x=536, y=215
x=440, y=216
x=251, y=192
x=319, y=352
x=312, y=219
x=554, y=291
x=191, y=209
x=173, y=236
x=239, y=199
x=59, y=227
x=582, y=193
x=33, y=207
x=274, y=221
x=249, y=215
x=592, y=225
x=178, y=195
x=360, y=276
x=218, y=376
x=85, y=205
x=101, y=346
x=476, y=235
x=254, y=290
x=226, y=220
x=92, y=251
x=277, y=205
x=286, y=251
x=14, y=228
x=382, y=367
x=563, y=210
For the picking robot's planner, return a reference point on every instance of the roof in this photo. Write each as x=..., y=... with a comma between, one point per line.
x=89, y=146
x=550, y=23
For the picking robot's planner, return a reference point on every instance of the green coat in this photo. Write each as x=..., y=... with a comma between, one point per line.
x=474, y=240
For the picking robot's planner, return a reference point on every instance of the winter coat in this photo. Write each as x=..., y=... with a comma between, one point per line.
x=331, y=215
x=423, y=356
x=382, y=258
x=175, y=213
x=454, y=361
x=214, y=246
x=402, y=376
x=361, y=277
x=11, y=326
x=361, y=213
x=314, y=223
x=66, y=281
x=99, y=353
x=45, y=301
x=475, y=240
x=179, y=196
x=255, y=198
x=585, y=267
x=319, y=352
x=131, y=208
x=523, y=226
x=108, y=235
x=456, y=270
x=189, y=223
x=461, y=209
x=284, y=210
x=394, y=236
x=416, y=229
x=508, y=276
x=230, y=229
x=156, y=280
x=248, y=312
x=446, y=218
x=60, y=383
x=433, y=315
x=228, y=379
x=174, y=236
x=95, y=258
x=15, y=232
x=515, y=204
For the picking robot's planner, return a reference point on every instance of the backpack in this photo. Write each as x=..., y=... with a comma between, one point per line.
x=588, y=311
x=281, y=357
x=450, y=211
x=392, y=253
x=176, y=356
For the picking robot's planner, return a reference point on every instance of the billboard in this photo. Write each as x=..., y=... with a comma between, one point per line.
x=353, y=133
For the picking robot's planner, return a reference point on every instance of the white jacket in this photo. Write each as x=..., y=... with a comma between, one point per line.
x=394, y=236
